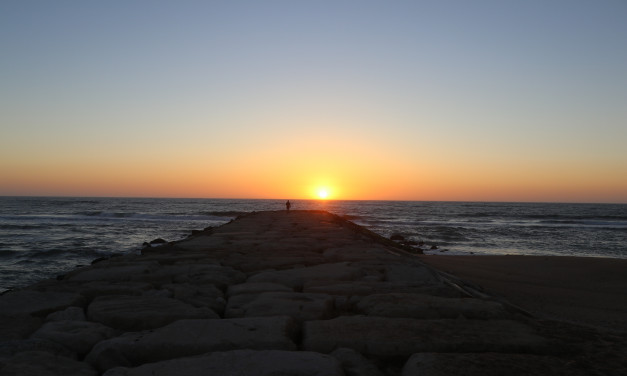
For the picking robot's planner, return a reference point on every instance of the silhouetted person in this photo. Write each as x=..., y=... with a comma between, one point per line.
x=288, y=205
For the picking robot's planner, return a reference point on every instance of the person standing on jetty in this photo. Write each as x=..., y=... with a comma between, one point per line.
x=288, y=205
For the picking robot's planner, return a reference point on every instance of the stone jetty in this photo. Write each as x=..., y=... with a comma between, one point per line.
x=283, y=293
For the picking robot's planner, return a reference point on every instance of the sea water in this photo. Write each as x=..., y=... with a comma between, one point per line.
x=42, y=237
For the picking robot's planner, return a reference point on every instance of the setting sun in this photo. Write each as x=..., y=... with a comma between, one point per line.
x=323, y=193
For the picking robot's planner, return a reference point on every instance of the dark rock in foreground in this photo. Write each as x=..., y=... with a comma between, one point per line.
x=299, y=293
x=242, y=363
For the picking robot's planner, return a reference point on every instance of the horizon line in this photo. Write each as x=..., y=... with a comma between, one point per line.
x=312, y=199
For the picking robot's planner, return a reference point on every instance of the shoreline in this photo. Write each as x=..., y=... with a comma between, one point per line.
x=583, y=290
x=44, y=237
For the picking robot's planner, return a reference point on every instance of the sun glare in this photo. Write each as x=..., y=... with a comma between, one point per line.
x=323, y=193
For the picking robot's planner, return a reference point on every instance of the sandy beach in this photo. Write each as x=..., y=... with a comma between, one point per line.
x=584, y=290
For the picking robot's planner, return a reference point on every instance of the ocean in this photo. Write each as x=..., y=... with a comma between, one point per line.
x=42, y=237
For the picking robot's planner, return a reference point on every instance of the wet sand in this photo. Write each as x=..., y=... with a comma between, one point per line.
x=584, y=290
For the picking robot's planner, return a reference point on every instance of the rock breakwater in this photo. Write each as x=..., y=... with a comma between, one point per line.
x=298, y=293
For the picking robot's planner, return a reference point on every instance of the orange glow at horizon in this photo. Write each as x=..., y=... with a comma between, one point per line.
x=298, y=178
x=342, y=168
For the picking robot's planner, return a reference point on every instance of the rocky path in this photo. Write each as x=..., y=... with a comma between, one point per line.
x=277, y=293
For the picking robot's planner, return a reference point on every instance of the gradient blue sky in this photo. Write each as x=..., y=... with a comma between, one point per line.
x=423, y=100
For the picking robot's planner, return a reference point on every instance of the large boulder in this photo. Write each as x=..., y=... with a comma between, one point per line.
x=37, y=303
x=195, y=273
x=364, y=288
x=109, y=271
x=18, y=327
x=198, y=295
x=9, y=349
x=134, y=313
x=382, y=336
x=78, y=336
x=241, y=363
x=299, y=306
x=270, y=259
x=295, y=278
x=429, y=307
x=359, y=252
x=39, y=363
x=156, y=274
x=194, y=337
x=256, y=288
x=93, y=289
x=355, y=364
x=70, y=313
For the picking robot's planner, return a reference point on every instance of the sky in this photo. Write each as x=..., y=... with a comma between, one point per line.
x=447, y=100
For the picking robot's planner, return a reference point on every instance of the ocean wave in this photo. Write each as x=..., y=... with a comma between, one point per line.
x=95, y=213
x=581, y=217
x=601, y=224
x=7, y=253
x=26, y=262
x=20, y=227
x=31, y=221
x=56, y=252
x=547, y=221
x=104, y=215
x=481, y=214
x=450, y=234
